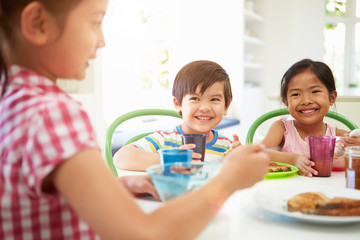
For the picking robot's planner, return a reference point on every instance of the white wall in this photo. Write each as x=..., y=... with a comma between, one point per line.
x=200, y=29
x=211, y=30
x=349, y=107
x=293, y=32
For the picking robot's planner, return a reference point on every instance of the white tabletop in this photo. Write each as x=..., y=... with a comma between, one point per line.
x=241, y=218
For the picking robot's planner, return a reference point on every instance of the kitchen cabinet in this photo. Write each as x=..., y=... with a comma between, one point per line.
x=253, y=43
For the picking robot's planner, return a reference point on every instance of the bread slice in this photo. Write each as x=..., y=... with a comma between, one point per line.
x=274, y=167
x=343, y=212
x=340, y=202
x=319, y=204
x=307, y=200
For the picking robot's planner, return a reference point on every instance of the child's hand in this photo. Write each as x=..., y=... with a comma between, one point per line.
x=234, y=145
x=195, y=156
x=244, y=160
x=236, y=142
x=352, y=141
x=305, y=166
x=139, y=185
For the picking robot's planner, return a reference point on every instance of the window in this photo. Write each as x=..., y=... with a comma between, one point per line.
x=342, y=43
x=141, y=36
x=135, y=58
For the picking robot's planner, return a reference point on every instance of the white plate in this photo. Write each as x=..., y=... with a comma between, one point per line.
x=275, y=200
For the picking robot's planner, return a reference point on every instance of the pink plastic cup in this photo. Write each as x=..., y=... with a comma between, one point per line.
x=322, y=153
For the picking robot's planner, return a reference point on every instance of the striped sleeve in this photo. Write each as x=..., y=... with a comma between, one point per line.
x=159, y=140
x=151, y=143
x=215, y=152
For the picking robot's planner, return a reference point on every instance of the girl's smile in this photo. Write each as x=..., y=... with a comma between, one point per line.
x=308, y=111
x=308, y=99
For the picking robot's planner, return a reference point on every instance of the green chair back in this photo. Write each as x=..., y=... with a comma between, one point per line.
x=137, y=113
x=284, y=111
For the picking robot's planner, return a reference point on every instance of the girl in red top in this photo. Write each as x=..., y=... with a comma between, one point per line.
x=53, y=181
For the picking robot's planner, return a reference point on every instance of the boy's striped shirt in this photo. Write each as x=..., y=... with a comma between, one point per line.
x=164, y=139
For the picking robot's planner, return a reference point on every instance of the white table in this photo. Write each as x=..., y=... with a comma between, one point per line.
x=240, y=218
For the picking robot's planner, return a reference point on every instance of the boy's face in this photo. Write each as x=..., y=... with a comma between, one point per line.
x=202, y=112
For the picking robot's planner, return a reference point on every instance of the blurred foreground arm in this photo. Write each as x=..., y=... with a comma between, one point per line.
x=109, y=208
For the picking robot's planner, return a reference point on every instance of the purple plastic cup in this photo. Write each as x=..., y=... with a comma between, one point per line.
x=322, y=153
x=199, y=140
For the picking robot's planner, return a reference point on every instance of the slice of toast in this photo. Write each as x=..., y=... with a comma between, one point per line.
x=340, y=202
x=306, y=201
x=274, y=167
x=334, y=212
x=319, y=204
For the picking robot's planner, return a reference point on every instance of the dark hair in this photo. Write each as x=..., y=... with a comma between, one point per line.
x=320, y=69
x=200, y=73
x=10, y=11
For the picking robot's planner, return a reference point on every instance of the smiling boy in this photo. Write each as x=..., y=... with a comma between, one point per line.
x=202, y=96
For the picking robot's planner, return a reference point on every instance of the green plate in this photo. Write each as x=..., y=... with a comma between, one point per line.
x=271, y=175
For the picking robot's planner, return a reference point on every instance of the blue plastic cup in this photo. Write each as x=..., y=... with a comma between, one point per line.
x=175, y=155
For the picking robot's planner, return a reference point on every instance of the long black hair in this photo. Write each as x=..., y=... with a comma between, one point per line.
x=320, y=69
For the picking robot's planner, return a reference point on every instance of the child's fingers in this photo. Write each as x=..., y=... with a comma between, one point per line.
x=188, y=146
x=235, y=144
x=310, y=163
x=139, y=185
x=235, y=137
x=350, y=141
x=196, y=156
x=305, y=171
x=311, y=171
x=305, y=166
x=150, y=189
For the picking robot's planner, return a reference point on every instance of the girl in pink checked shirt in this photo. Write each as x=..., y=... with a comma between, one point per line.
x=53, y=181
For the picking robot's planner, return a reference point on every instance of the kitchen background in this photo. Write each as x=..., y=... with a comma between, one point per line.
x=256, y=41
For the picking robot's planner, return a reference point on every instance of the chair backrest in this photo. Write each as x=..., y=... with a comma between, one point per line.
x=137, y=113
x=284, y=111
